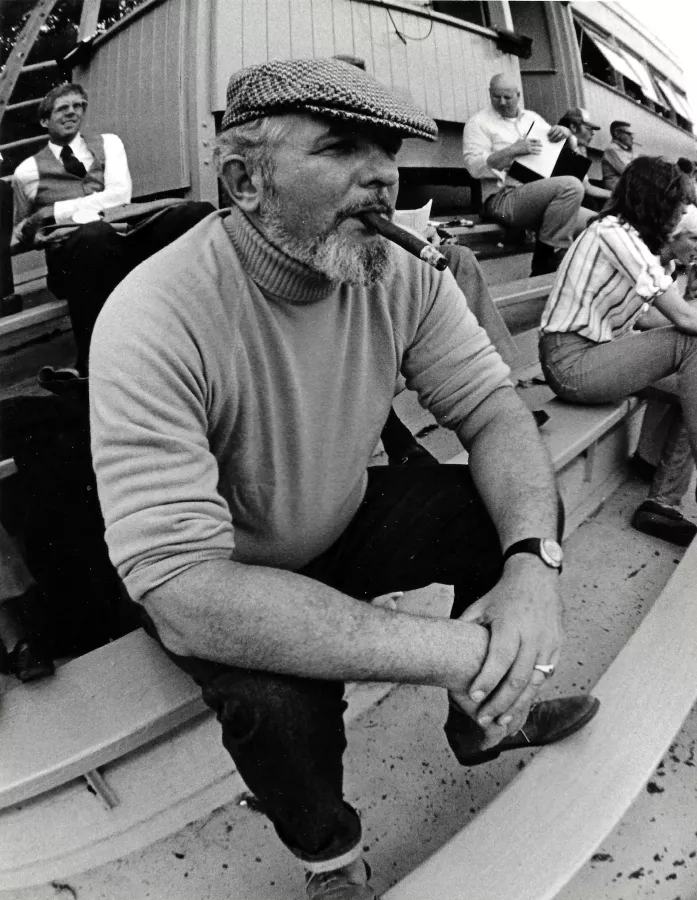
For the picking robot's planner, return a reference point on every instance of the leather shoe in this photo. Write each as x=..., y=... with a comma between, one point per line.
x=350, y=882
x=27, y=662
x=664, y=522
x=548, y=721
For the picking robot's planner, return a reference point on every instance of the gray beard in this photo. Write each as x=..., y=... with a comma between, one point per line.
x=331, y=254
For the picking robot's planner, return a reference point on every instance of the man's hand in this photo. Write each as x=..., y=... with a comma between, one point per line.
x=527, y=145
x=558, y=133
x=524, y=616
x=31, y=225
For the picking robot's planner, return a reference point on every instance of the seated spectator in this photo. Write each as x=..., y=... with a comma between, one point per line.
x=72, y=182
x=663, y=440
x=492, y=140
x=690, y=168
x=618, y=154
x=239, y=382
x=22, y=651
x=9, y=301
x=611, y=276
x=582, y=133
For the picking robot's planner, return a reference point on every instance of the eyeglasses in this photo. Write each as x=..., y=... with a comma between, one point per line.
x=79, y=105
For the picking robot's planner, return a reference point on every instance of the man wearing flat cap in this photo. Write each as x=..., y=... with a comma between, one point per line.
x=240, y=381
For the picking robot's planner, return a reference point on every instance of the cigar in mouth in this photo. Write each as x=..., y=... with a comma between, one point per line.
x=415, y=245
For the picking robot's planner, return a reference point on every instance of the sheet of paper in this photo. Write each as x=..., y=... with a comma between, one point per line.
x=414, y=219
x=542, y=163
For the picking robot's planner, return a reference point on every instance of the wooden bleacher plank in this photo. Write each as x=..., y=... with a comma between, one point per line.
x=161, y=788
x=538, y=832
x=575, y=428
x=7, y=467
x=112, y=700
x=21, y=321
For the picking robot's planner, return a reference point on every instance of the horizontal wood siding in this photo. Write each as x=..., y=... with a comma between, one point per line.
x=444, y=69
x=135, y=84
x=656, y=135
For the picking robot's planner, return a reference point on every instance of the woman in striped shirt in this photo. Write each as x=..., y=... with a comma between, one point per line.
x=612, y=273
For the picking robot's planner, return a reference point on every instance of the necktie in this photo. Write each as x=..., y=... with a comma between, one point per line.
x=71, y=163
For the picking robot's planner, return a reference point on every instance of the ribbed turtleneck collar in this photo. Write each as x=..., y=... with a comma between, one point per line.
x=274, y=272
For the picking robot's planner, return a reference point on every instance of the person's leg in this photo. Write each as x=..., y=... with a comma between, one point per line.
x=470, y=279
x=286, y=738
x=659, y=515
x=549, y=207
x=84, y=269
x=675, y=466
x=164, y=227
x=581, y=371
x=7, y=285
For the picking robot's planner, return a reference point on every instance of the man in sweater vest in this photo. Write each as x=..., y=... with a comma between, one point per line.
x=72, y=182
x=239, y=380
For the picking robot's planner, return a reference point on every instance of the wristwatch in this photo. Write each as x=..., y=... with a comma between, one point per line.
x=547, y=549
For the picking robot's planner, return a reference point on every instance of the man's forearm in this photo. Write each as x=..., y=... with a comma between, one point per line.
x=513, y=473
x=270, y=619
x=502, y=159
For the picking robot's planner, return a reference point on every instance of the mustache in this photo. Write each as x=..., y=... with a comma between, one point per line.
x=378, y=203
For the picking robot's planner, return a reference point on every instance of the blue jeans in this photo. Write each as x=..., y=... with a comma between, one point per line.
x=415, y=527
x=647, y=363
x=664, y=443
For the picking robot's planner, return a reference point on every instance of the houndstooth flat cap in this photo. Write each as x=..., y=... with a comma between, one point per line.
x=327, y=87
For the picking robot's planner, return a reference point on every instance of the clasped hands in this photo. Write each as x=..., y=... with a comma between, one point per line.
x=523, y=615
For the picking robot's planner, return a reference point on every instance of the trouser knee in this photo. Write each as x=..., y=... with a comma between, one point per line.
x=569, y=187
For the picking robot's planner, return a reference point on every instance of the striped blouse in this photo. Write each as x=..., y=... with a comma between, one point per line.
x=605, y=280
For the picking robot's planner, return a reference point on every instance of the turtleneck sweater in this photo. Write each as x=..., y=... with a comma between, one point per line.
x=237, y=397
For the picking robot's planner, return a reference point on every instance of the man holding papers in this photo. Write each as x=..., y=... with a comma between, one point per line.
x=505, y=134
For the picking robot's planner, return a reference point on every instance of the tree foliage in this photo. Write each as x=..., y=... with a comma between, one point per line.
x=57, y=37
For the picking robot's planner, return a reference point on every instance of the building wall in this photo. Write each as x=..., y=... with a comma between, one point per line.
x=551, y=77
x=444, y=66
x=135, y=83
x=655, y=134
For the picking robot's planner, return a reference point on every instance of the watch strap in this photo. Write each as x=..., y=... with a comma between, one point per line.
x=533, y=546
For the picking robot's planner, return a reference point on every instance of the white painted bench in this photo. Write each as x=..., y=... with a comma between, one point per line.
x=537, y=833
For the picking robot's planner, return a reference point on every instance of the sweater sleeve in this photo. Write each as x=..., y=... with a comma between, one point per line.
x=450, y=362
x=156, y=475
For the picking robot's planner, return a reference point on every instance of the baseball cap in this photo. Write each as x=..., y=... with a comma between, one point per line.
x=580, y=115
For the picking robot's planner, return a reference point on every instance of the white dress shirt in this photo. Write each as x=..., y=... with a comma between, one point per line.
x=117, y=183
x=488, y=132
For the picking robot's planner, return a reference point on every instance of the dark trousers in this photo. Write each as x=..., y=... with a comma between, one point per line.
x=416, y=526
x=7, y=284
x=86, y=267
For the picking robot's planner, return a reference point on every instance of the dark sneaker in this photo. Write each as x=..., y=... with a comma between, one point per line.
x=548, y=721
x=664, y=522
x=348, y=883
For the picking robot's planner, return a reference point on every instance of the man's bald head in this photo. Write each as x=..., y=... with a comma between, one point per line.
x=504, y=92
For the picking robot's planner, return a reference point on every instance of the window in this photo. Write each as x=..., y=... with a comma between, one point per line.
x=477, y=13
x=677, y=102
x=593, y=62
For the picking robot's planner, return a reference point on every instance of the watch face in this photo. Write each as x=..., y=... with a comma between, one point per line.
x=551, y=552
